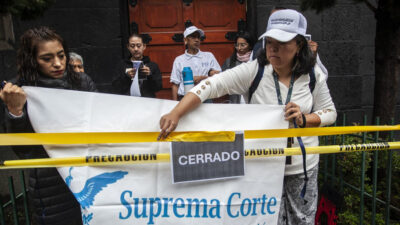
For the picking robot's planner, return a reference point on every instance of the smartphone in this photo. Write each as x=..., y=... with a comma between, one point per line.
x=138, y=65
x=142, y=76
x=308, y=37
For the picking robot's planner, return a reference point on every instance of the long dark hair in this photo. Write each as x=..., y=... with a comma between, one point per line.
x=27, y=66
x=249, y=39
x=303, y=62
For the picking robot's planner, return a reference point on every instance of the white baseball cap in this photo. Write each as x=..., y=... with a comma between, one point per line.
x=190, y=30
x=284, y=25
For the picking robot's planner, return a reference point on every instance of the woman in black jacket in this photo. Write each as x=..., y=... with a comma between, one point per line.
x=42, y=61
x=243, y=46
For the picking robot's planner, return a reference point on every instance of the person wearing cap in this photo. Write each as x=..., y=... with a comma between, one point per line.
x=312, y=44
x=202, y=64
x=287, y=63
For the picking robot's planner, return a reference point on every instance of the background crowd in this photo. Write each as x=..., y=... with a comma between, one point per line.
x=285, y=64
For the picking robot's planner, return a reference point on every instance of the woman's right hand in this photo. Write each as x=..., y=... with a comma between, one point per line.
x=168, y=123
x=14, y=97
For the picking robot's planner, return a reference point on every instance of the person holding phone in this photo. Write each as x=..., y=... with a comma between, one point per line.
x=137, y=75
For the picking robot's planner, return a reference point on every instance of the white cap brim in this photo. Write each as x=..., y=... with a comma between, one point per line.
x=198, y=30
x=280, y=35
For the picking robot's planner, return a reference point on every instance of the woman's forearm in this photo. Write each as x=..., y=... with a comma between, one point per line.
x=312, y=120
x=187, y=104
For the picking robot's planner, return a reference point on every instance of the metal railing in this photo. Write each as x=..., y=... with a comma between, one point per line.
x=331, y=173
x=14, y=205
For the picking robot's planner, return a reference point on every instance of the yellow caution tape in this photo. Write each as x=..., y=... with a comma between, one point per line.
x=110, y=137
x=317, y=131
x=104, y=160
x=133, y=137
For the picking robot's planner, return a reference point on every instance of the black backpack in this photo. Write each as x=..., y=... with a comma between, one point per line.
x=260, y=74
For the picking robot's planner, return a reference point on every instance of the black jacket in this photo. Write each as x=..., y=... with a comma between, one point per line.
x=52, y=201
x=227, y=64
x=122, y=82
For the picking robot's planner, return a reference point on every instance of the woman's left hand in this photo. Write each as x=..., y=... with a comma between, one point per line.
x=292, y=111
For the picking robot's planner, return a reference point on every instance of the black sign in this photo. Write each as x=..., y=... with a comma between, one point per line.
x=192, y=161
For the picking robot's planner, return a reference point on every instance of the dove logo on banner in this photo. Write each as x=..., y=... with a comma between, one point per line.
x=93, y=186
x=142, y=194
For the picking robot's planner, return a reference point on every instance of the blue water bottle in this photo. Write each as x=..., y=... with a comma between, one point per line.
x=187, y=79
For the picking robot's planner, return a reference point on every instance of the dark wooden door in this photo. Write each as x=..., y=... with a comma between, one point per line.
x=164, y=21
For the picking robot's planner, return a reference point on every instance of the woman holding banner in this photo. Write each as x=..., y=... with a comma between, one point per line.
x=42, y=61
x=284, y=73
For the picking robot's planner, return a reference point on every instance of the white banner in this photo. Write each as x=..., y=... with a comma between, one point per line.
x=144, y=193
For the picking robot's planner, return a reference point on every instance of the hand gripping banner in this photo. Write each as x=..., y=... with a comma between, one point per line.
x=144, y=193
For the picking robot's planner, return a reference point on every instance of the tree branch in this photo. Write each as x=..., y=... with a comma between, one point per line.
x=370, y=6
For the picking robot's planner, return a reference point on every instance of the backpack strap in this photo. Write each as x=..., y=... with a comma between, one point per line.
x=260, y=74
x=311, y=85
x=256, y=81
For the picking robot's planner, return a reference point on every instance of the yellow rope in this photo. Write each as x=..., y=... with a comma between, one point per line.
x=133, y=137
x=317, y=131
x=110, y=137
x=103, y=160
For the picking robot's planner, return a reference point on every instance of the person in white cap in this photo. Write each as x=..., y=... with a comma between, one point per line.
x=286, y=65
x=203, y=64
x=312, y=44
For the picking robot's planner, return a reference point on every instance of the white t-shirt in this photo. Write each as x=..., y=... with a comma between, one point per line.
x=201, y=64
x=238, y=81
